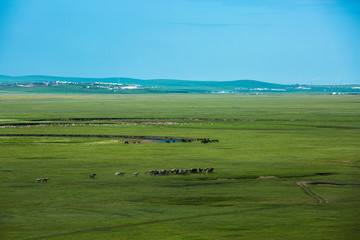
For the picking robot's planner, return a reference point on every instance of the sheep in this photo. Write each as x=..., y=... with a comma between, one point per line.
x=92, y=175
x=39, y=179
x=136, y=173
x=119, y=173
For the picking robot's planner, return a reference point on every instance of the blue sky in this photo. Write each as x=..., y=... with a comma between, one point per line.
x=280, y=41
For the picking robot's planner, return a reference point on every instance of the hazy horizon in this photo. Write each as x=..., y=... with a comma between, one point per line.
x=276, y=41
x=173, y=79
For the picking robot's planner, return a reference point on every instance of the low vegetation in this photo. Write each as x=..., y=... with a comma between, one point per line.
x=284, y=167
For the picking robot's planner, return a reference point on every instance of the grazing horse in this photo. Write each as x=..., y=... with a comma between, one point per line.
x=44, y=180
x=92, y=175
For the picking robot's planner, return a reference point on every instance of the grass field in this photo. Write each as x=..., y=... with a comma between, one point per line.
x=310, y=140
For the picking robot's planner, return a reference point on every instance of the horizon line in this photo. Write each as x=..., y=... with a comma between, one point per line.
x=171, y=79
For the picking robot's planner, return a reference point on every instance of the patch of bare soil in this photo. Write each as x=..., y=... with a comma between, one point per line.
x=148, y=141
x=117, y=124
x=349, y=161
x=263, y=177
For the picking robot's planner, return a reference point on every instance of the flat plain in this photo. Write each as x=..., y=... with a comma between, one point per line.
x=285, y=167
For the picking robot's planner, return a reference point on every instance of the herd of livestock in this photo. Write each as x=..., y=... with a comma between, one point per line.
x=174, y=171
x=183, y=140
x=163, y=171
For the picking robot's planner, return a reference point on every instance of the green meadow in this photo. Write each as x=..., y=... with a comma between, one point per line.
x=306, y=149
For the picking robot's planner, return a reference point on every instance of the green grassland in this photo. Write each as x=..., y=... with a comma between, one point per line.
x=313, y=139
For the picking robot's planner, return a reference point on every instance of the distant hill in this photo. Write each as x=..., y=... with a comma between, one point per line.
x=158, y=83
x=47, y=84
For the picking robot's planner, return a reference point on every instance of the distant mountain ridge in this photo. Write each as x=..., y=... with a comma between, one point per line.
x=158, y=83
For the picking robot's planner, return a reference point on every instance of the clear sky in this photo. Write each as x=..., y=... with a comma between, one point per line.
x=280, y=41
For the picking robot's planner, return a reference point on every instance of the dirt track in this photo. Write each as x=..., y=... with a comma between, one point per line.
x=311, y=193
x=142, y=119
